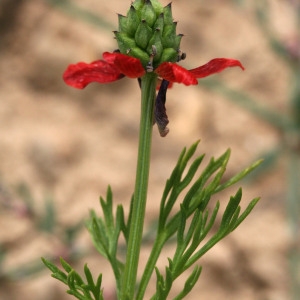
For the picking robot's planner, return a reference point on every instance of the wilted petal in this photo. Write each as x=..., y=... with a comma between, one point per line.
x=214, y=66
x=127, y=65
x=175, y=73
x=81, y=74
x=160, y=112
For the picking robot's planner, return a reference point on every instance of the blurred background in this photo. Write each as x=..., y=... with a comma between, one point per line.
x=61, y=147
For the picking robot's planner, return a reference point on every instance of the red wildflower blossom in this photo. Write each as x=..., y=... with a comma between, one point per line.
x=148, y=34
x=115, y=66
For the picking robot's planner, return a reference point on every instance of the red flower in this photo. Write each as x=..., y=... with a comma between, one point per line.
x=115, y=66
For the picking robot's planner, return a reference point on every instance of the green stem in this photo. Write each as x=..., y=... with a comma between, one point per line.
x=156, y=250
x=141, y=186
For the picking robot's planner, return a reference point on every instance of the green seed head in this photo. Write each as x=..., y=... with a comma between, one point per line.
x=147, y=26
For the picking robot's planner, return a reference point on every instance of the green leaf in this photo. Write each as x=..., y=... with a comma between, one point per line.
x=129, y=220
x=76, y=284
x=207, y=228
x=88, y=276
x=181, y=185
x=173, y=183
x=120, y=219
x=57, y=273
x=191, y=173
x=105, y=233
x=169, y=279
x=77, y=295
x=98, y=292
x=190, y=283
x=224, y=229
x=198, y=195
x=230, y=209
x=71, y=280
x=194, y=210
x=107, y=210
x=194, y=227
x=50, y=265
x=190, y=152
x=65, y=265
x=160, y=285
x=77, y=278
x=170, y=183
x=246, y=212
x=99, y=236
x=181, y=226
x=186, y=247
x=61, y=277
x=238, y=176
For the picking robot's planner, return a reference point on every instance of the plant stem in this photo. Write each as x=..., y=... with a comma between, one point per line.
x=156, y=250
x=148, y=88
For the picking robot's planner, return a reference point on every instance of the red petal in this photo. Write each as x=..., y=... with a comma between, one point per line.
x=214, y=66
x=81, y=74
x=127, y=65
x=175, y=73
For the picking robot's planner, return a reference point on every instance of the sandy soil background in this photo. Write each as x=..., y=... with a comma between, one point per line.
x=70, y=144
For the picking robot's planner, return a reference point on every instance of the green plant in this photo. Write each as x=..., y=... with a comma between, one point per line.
x=149, y=51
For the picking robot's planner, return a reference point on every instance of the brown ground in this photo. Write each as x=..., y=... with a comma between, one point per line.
x=71, y=144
